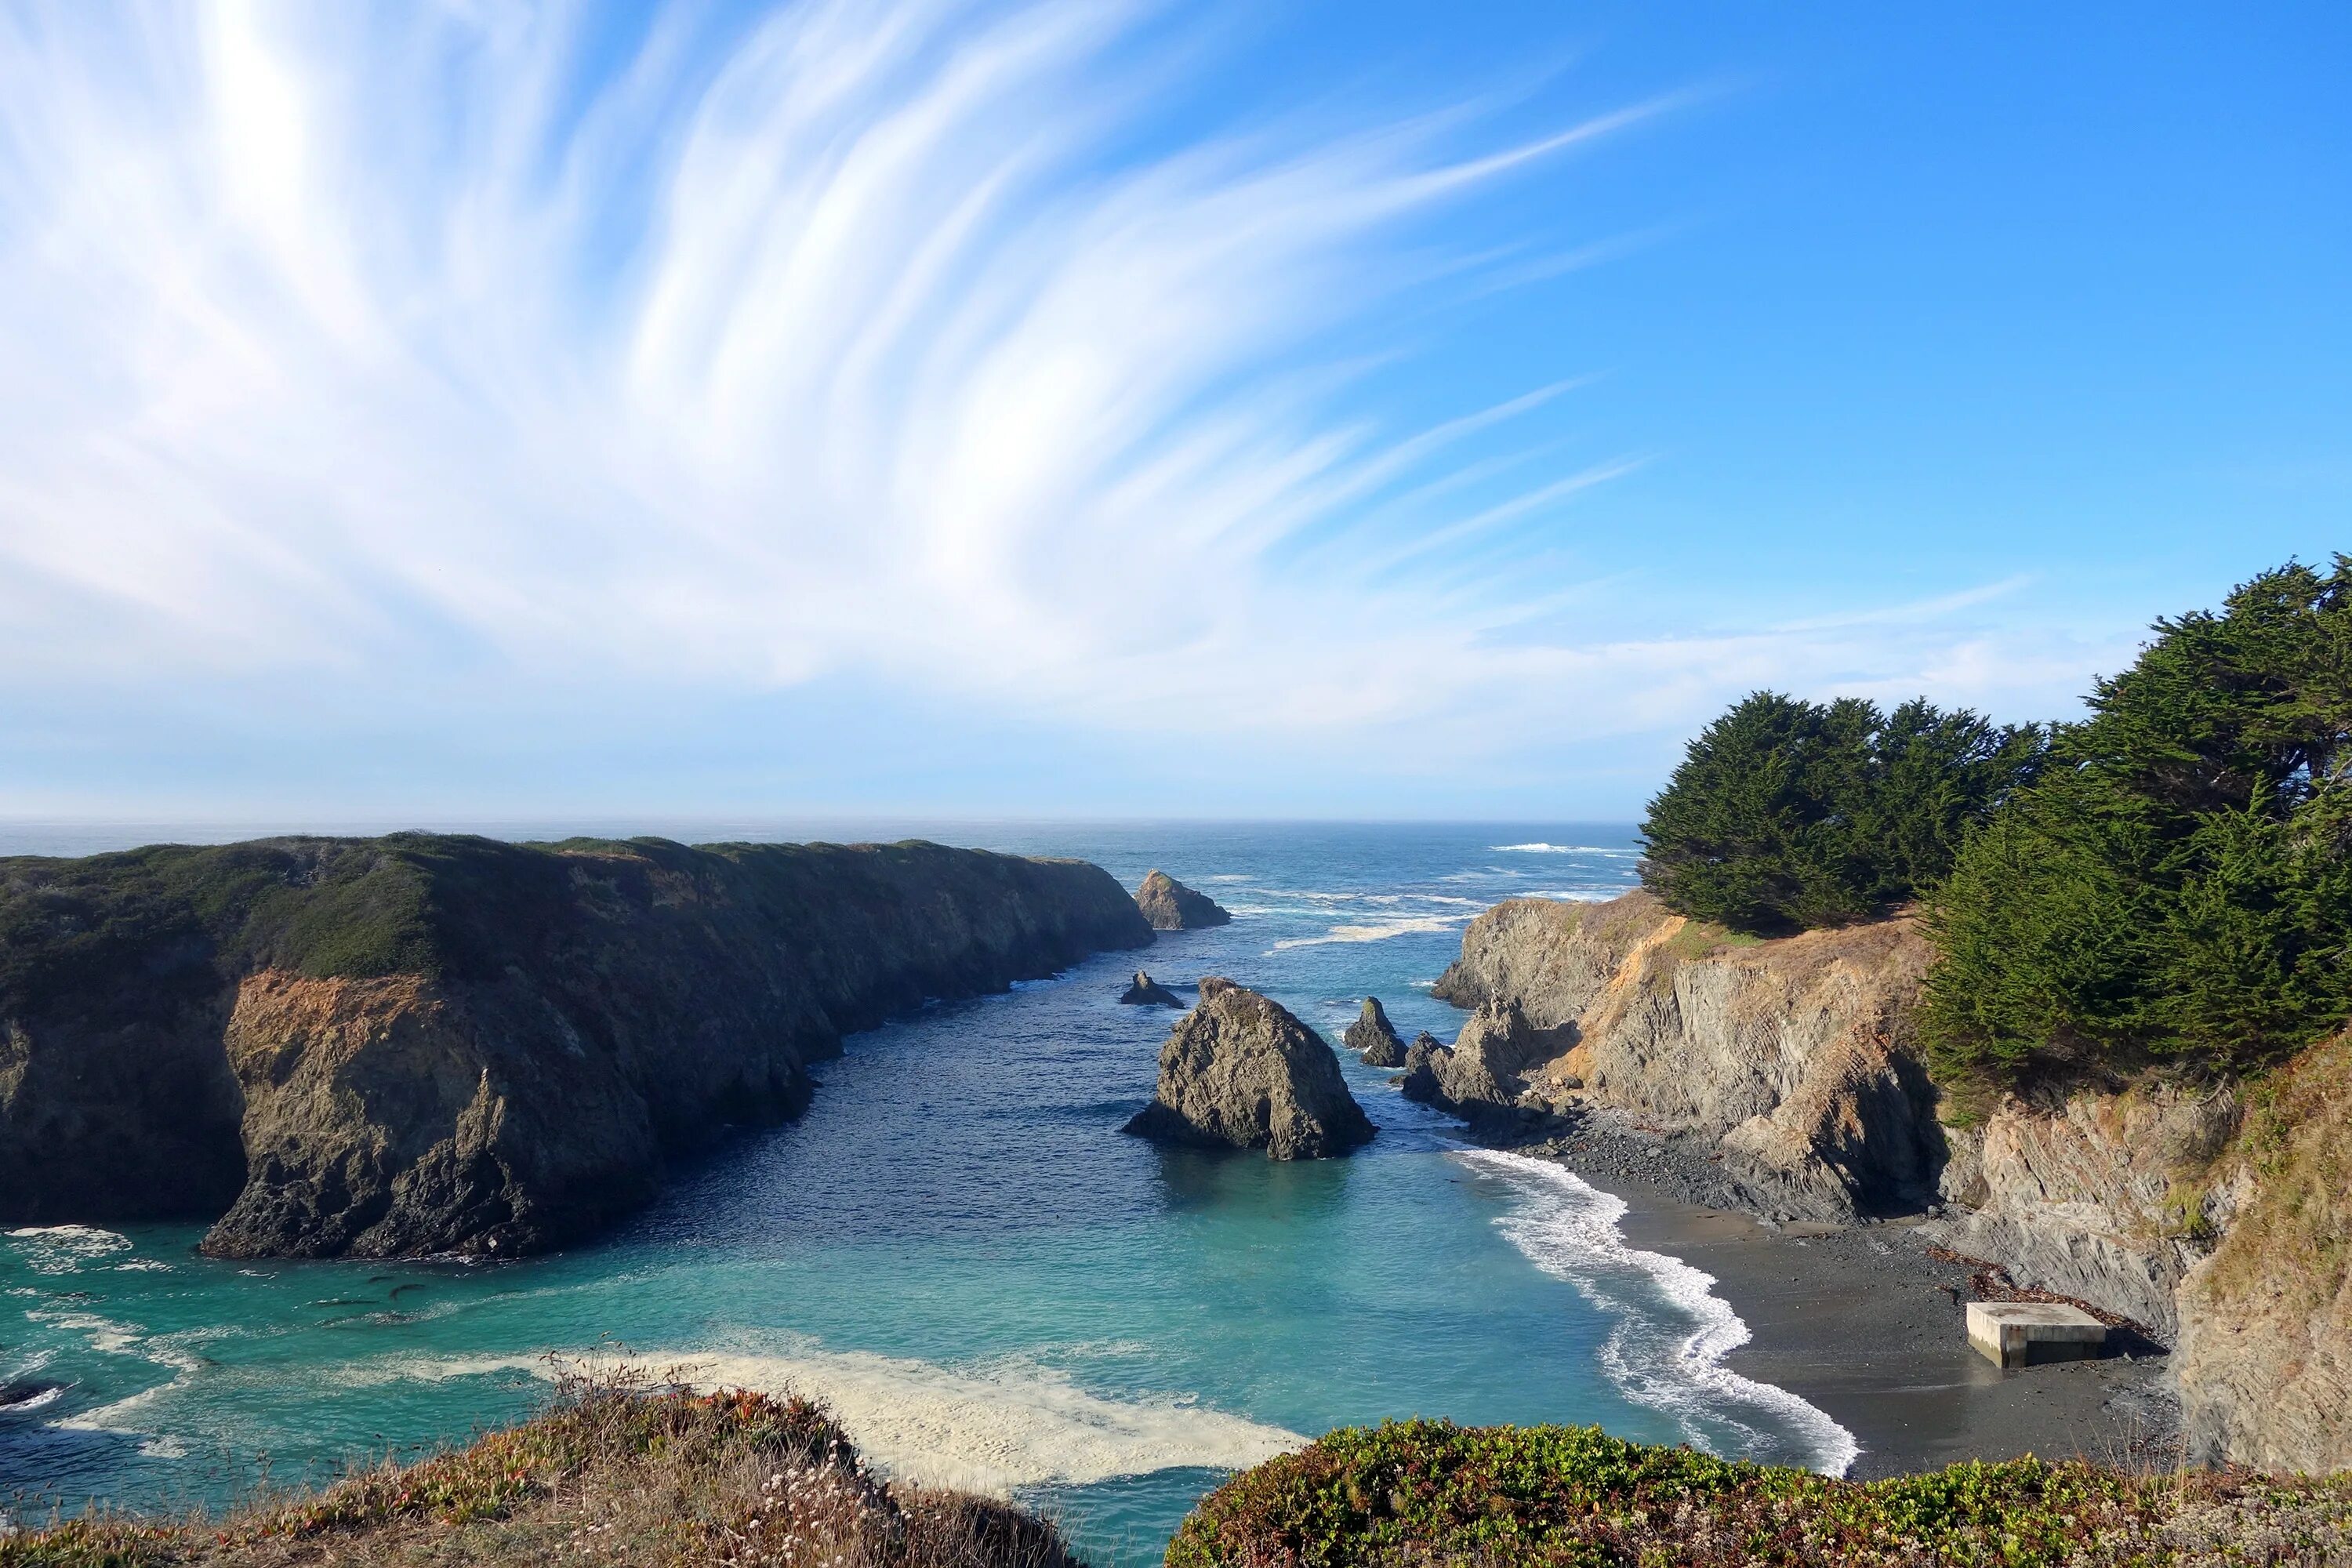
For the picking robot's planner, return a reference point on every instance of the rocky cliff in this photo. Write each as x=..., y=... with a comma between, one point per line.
x=2264, y=1360
x=423, y=1044
x=1240, y=1069
x=1795, y=1053
x=2216, y=1216
x=2097, y=1192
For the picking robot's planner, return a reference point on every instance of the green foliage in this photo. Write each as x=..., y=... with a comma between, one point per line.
x=1555, y=1496
x=1788, y=815
x=2176, y=886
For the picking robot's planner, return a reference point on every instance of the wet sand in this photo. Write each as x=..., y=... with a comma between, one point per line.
x=1863, y=1322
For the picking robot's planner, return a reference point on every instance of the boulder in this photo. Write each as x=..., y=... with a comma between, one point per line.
x=1168, y=905
x=1146, y=992
x=1241, y=1070
x=1371, y=1037
x=1419, y=1080
x=1480, y=1073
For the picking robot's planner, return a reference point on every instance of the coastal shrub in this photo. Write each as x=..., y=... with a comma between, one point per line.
x=620, y=1469
x=1787, y=814
x=2176, y=886
x=1555, y=1496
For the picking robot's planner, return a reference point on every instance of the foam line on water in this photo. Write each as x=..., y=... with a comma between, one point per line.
x=1404, y=925
x=1559, y=849
x=1672, y=1333
x=990, y=1428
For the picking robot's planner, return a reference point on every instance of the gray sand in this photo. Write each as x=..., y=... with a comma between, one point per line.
x=1861, y=1321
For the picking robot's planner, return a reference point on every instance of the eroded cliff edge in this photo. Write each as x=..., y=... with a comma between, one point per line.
x=426, y=1044
x=2216, y=1214
x=1794, y=1052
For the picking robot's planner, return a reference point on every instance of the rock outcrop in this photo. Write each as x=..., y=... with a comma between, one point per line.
x=2102, y=1194
x=2264, y=1360
x=1239, y=1069
x=1481, y=1073
x=1168, y=904
x=1145, y=991
x=1795, y=1053
x=423, y=1044
x=1372, y=1039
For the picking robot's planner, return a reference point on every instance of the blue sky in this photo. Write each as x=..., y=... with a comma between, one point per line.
x=444, y=411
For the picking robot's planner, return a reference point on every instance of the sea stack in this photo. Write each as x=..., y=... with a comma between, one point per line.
x=1168, y=905
x=1371, y=1037
x=1146, y=992
x=1241, y=1070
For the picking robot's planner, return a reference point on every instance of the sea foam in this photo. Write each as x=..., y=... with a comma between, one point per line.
x=1377, y=931
x=989, y=1429
x=1671, y=1329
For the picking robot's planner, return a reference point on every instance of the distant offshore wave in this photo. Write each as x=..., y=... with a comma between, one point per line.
x=1559, y=849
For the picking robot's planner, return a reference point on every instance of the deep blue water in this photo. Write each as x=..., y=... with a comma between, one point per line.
x=959, y=1249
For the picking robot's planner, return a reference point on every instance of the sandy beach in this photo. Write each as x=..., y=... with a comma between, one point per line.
x=1862, y=1321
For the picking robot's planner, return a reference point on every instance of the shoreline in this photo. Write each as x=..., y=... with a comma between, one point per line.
x=1860, y=1322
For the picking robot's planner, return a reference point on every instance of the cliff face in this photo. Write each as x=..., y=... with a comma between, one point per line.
x=425, y=1043
x=2265, y=1355
x=2219, y=1217
x=2104, y=1196
x=1794, y=1052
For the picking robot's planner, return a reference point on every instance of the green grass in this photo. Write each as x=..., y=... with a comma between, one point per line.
x=1430, y=1492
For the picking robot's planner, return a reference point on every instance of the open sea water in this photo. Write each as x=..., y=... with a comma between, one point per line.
x=958, y=1249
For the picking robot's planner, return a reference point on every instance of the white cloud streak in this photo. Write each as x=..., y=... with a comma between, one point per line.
x=398, y=345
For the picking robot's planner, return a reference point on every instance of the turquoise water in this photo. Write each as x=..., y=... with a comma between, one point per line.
x=959, y=1249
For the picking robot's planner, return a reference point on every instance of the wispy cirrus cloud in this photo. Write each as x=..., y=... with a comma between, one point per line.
x=498, y=342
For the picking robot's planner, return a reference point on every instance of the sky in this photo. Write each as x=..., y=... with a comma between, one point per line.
x=465, y=409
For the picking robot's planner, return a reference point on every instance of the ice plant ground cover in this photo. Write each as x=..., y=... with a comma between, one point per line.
x=1553, y=1497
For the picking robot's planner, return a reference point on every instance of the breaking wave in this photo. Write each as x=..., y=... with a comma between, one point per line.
x=1671, y=1329
x=1559, y=849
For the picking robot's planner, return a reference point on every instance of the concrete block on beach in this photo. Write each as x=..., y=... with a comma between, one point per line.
x=2027, y=1333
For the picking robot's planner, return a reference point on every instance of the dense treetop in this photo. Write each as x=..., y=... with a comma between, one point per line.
x=1787, y=814
x=2177, y=883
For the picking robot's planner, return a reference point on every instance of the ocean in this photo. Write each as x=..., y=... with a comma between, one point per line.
x=957, y=1247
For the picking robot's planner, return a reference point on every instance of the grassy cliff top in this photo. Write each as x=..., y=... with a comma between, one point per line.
x=175, y=917
x=616, y=1472
x=1557, y=1497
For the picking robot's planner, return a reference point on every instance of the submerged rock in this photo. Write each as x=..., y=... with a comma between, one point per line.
x=1371, y=1037
x=1240, y=1069
x=1168, y=905
x=1146, y=992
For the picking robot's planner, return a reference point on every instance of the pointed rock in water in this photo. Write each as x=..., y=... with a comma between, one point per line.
x=1146, y=992
x=1371, y=1037
x=1168, y=905
x=1240, y=1069
x=1419, y=1080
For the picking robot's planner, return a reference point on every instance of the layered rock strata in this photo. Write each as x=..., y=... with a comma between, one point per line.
x=1168, y=904
x=1239, y=1070
x=423, y=1044
x=1794, y=1052
x=2100, y=1195
x=2264, y=1362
